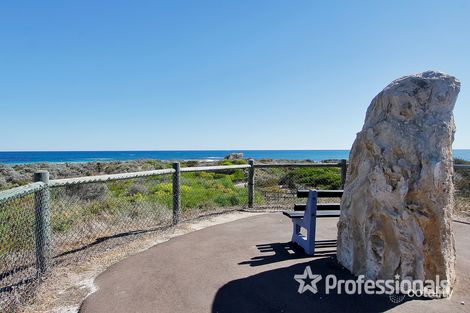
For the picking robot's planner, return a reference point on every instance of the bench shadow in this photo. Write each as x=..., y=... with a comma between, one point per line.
x=277, y=291
x=282, y=251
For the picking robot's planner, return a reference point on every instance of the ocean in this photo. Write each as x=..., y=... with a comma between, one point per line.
x=22, y=157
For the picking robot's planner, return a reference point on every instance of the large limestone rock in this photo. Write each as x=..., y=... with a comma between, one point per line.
x=398, y=196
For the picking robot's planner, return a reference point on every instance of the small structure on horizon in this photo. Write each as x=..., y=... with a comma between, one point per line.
x=234, y=156
x=396, y=211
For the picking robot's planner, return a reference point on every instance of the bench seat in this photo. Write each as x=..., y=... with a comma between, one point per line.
x=320, y=206
x=305, y=215
x=300, y=214
x=321, y=193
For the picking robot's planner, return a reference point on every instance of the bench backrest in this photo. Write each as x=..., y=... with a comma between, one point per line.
x=320, y=194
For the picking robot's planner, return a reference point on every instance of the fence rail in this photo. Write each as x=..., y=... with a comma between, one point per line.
x=48, y=219
x=278, y=165
x=18, y=192
x=461, y=166
x=107, y=178
x=214, y=168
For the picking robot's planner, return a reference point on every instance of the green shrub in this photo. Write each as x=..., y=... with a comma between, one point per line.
x=311, y=177
x=16, y=227
x=62, y=222
x=462, y=176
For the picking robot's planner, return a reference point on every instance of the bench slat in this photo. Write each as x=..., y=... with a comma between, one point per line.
x=321, y=193
x=293, y=214
x=327, y=213
x=320, y=206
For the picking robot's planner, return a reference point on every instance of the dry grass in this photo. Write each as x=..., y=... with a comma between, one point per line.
x=69, y=283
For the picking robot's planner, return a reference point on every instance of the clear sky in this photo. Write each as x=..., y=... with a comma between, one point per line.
x=245, y=74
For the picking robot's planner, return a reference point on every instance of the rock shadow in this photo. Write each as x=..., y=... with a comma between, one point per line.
x=277, y=291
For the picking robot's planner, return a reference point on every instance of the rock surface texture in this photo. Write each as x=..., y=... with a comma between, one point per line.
x=398, y=196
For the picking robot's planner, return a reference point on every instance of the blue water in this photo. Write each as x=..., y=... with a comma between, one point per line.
x=103, y=156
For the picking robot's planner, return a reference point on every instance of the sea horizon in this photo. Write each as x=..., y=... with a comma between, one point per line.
x=27, y=157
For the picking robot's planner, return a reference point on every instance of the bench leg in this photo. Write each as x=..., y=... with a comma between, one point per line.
x=310, y=222
x=307, y=242
x=310, y=247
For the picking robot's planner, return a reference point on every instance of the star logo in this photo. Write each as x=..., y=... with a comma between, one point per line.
x=303, y=279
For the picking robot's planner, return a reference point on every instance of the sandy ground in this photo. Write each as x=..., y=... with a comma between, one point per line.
x=68, y=285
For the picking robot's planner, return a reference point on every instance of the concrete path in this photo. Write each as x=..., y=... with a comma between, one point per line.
x=248, y=266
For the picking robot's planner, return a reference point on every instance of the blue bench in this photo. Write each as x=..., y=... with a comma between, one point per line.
x=305, y=216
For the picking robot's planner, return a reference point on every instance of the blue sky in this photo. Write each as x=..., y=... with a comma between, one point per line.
x=247, y=74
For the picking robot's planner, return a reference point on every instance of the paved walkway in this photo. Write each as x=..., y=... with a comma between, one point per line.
x=248, y=266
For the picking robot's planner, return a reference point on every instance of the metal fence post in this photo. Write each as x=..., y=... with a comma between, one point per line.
x=251, y=183
x=176, y=193
x=42, y=222
x=344, y=169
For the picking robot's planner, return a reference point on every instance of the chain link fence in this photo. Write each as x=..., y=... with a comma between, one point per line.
x=77, y=217
x=276, y=185
x=83, y=215
x=42, y=224
x=18, y=263
x=462, y=191
x=212, y=192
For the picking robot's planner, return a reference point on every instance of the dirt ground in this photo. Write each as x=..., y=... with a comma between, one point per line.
x=69, y=283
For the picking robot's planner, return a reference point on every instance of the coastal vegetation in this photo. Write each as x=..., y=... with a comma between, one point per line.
x=139, y=203
x=462, y=187
x=462, y=177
